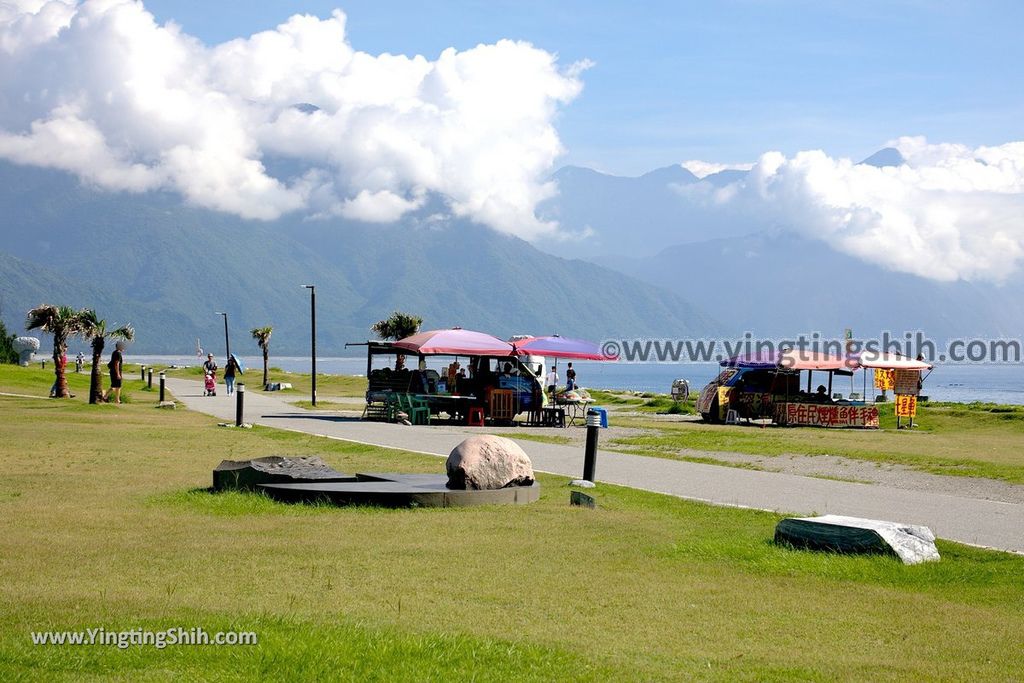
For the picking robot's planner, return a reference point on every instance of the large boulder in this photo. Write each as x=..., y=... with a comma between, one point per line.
x=488, y=463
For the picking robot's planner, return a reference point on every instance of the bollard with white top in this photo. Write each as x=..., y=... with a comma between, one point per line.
x=162, y=377
x=239, y=400
x=590, y=455
x=142, y=371
x=150, y=384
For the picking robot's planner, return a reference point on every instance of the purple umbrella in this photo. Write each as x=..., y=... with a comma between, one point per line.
x=561, y=347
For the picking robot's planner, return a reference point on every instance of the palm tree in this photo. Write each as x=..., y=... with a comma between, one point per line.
x=397, y=326
x=62, y=322
x=262, y=337
x=95, y=330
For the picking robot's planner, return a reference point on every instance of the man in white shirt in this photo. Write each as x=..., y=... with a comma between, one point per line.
x=552, y=382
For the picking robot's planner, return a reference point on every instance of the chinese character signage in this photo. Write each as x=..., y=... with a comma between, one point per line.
x=885, y=380
x=826, y=415
x=907, y=382
x=906, y=405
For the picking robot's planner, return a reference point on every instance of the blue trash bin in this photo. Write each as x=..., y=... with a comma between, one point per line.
x=602, y=412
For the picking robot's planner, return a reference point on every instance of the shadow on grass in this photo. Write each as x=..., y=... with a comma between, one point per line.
x=209, y=501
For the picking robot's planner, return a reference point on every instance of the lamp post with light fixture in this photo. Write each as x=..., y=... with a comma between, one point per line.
x=312, y=337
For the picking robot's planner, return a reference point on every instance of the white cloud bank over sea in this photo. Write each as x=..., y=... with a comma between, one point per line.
x=103, y=91
x=948, y=212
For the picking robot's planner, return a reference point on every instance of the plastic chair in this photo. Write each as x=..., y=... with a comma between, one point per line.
x=417, y=410
x=475, y=417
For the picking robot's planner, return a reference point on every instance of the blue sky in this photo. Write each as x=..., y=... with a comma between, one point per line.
x=719, y=81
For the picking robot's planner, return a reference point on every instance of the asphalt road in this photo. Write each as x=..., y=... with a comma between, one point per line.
x=979, y=522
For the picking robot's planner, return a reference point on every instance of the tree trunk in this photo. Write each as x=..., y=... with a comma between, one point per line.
x=266, y=359
x=60, y=348
x=96, y=377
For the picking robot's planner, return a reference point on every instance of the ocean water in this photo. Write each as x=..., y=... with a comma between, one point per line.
x=961, y=383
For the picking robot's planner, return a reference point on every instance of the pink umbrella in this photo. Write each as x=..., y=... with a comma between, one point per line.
x=455, y=342
x=560, y=347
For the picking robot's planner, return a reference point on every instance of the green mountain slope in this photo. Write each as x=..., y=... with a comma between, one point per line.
x=167, y=268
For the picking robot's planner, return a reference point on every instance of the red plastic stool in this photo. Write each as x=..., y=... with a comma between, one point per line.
x=475, y=418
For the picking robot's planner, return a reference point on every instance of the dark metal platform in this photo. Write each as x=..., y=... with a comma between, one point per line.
x=398, y=490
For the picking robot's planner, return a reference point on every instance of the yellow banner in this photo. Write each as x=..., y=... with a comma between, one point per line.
x=906, y=405
x=885, y=380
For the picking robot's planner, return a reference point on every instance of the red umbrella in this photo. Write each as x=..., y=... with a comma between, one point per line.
x=455, y=342
x=556, y=346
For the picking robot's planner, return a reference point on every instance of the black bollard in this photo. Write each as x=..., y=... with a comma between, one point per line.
x=161, y=386
x=142, y=371
x=240, y=393
x=590, y=455
x=150, y=385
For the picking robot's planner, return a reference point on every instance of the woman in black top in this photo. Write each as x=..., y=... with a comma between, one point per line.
x=229, y=373
x=116, y=361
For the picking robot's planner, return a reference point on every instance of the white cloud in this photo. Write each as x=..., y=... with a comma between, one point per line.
x=703, y=169
x=377, y=207
x=101, y=90
x=950, y=212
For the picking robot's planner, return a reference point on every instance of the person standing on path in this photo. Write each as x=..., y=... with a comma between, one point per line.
x=570, y=378
x=115, y=367
x=552, y=383
x=230, y=369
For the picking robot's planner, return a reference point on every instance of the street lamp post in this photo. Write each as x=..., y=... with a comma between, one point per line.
x=312, y=336
x=227, y=346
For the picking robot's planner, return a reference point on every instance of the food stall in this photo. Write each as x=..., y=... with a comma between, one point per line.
x=768, y=386
x=904, y=375
x=461, y=374
x=466, y=376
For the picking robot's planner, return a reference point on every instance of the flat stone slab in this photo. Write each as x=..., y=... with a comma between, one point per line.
x=836, y=533
x=398, y=490
x=246, y=475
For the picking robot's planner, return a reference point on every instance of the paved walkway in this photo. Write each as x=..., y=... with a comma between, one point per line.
x=980, y=522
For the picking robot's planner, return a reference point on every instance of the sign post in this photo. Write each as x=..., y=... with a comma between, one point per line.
x=906, y=384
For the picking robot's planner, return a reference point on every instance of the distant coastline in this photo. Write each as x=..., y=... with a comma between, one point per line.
x=958, y=383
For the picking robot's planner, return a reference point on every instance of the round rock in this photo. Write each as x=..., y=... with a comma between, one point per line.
x=488, y=462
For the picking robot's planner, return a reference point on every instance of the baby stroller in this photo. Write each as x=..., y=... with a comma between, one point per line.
x=211, y=384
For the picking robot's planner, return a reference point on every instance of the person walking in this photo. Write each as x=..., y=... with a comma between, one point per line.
x=570, y=378
x=79, y=362
x=230, y=369
x=115, y=366
x=552, y=382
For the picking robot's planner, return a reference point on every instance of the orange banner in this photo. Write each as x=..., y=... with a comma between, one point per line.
x=885, y=380
x=906, y=405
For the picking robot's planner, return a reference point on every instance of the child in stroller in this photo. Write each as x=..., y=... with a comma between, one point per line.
x=211, y=383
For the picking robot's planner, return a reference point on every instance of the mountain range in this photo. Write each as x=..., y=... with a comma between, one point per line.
x=761, y=277
x=641, y=261
x=168, y=268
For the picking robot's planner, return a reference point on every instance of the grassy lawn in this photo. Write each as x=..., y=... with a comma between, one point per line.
x=980, y=440
x=644, y=402
x=328, y=387
x=104, y=522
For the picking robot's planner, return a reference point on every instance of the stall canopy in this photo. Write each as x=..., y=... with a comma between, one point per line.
x=890, y=361
x=791, y=359
x=760, y=361
x=556, y=346
x=455, y=342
